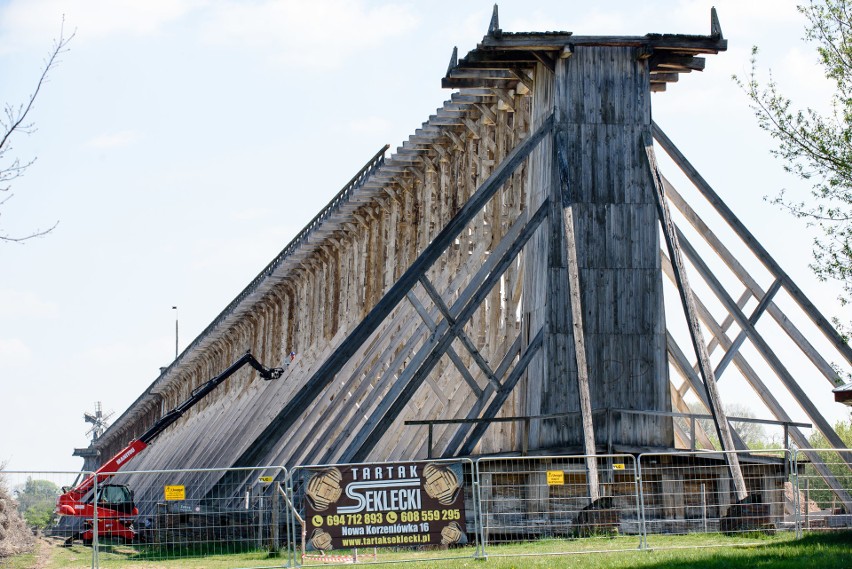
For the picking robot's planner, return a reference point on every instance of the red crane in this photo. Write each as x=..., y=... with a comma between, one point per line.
x=116, y=510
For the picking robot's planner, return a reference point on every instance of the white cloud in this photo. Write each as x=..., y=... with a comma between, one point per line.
x=23, y=304
x=307, y=34
x=29, y=21
x=14, y=352
x=113, y=140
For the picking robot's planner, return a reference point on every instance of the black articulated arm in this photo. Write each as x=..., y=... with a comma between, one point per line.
x=202, y=390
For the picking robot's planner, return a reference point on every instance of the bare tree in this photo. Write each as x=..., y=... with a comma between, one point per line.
x=15, y=121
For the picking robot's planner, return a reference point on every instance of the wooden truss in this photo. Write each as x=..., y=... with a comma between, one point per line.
x=407, y=294
x=442, y=326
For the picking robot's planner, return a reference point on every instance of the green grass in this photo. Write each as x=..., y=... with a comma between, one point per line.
x=817, y=550
x=24, y=561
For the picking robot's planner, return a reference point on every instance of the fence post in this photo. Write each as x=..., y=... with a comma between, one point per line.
x=95, y=558
x=291, y=520
x=692, y=432
x=276, y=503
x=640, y=499
x=477, y=511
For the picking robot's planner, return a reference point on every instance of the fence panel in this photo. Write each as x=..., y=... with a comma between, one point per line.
x=693, y=493
x=547, y=500
x=384, y=512
x=147, y=516
x=28, y=510
x=821, y=506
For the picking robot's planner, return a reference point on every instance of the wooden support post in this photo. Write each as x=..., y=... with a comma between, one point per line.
x=559, y=149
x=292, y=412
x=804, y=302
x=669, y=232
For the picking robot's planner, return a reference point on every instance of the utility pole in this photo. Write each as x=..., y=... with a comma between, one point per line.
x=175, y=308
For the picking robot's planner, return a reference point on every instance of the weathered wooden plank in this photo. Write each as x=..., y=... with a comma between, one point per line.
x=759, y=251
x=410, y=380
x=755, y=316
x=556, y=41
x=287, y=416
x=766, y=352
x=685, y=292
x=500, y=398
x=565, y=195
x=751, y=284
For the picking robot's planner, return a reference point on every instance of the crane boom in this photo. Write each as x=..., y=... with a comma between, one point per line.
x=73, y=501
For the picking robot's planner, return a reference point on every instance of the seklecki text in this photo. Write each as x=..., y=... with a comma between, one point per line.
x=383, y=496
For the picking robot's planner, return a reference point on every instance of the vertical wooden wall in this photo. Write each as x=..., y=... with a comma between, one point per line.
x=601, y=97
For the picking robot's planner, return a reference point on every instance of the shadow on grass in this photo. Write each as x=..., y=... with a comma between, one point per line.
x=822, y=550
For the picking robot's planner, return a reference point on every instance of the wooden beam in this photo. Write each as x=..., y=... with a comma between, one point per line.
x=498, y=401
x=473, y=413
x=759, y=251
x=751, y=284
x=457, y=330
x=709, y=380
x=755, y=316
x=325, y=374
x=686, y=63
x=766, y=352
x=555, y=41
x=560, y=149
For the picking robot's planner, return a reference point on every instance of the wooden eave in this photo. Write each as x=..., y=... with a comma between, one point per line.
x=556, y=41
x=511, y=53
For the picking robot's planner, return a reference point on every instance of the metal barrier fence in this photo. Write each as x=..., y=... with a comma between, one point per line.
x=149, y=516
x=694, y=493
x=345, y=513
x=496, y=506
x=823, y=505
x=548, y=499
x=202, y=512
x=28, y=507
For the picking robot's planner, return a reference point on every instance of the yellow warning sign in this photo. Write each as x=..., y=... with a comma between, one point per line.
x=175, y=492
x=618, y=466
x=266, y=479
x=555, y=477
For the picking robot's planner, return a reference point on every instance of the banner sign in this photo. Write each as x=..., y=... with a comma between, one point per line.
x=385, y=505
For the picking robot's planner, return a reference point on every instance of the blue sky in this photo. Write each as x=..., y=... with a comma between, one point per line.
x=181, y=144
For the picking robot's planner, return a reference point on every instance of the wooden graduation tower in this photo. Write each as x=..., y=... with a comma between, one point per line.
x=496, y=285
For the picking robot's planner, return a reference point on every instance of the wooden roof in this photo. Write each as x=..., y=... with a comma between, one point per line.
x=502, y=59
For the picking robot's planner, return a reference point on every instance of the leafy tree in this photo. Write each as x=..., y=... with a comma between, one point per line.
x=37, y=501
x=816, y=146
x=14, y=121
x=752, y=434
x=818, y=489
